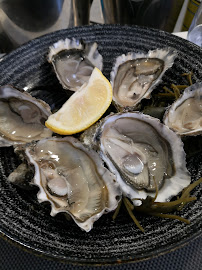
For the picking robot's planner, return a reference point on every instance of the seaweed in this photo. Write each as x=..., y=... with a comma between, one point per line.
x=159, y=209
x=164, y=96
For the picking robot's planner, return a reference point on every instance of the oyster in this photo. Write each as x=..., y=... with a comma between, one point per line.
x=144, y=154
x=73, y=179
x=22, y=117
x=185, y=115
x=135, y=75
x=74, y=62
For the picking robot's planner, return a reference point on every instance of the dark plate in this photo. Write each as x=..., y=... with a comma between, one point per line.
x=27, y=222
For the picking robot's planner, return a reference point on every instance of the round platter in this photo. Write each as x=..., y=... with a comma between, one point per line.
x=25, y=221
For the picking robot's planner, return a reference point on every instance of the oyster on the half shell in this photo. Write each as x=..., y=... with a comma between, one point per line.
x=135, y=75
x=144, y=154
x=185, y=114
x=22, y=117
x=74, y=61
x=73, y=179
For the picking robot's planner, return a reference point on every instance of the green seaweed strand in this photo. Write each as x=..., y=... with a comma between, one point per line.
x=117, y=210
x=176, y=90
x=181, y=87
x=128, y=207
x=168, y=90
x=188, y=189
x=159, y=209
x=188, y=75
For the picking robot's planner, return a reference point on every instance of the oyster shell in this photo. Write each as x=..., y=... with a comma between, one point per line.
x=74, y=62
x=73, y=179
x=22, y=117
x=144, y=154
x=185, y=114
x=135, y=75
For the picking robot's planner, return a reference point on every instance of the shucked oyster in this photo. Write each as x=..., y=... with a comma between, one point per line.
x=22, y=117
x=185, y=114
x=74, y=62
x=73, y=179
x=135, y=75
x=144, y=154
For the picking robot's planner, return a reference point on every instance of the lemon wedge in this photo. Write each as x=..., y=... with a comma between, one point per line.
x=84, y=107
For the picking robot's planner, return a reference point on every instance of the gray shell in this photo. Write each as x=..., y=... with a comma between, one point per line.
x=74, y=61
x=144, y=147
x=135, y=75
x=184, y=116
x=73, y=179
x=22, y=117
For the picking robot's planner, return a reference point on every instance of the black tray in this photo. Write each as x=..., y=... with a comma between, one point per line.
x=28, y=223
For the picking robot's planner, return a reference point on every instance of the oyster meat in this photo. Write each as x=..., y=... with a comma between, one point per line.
x=185, y=114
x=74, y=62
x=144, y=154
x=73, y=179
x=22, y=117
x=135, y=75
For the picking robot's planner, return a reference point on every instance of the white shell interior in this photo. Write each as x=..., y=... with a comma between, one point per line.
x=21, y=117
x=173, y=185
x=74, y=62
x=82, y=179
x=184, y=116
x=167, y=55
